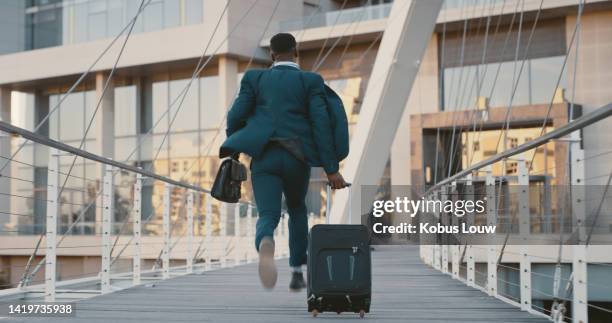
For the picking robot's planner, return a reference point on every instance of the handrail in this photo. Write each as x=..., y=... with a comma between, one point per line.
x=587, y=119
x=9, y=128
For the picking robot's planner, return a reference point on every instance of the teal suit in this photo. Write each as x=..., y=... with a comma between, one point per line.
x=282, y=102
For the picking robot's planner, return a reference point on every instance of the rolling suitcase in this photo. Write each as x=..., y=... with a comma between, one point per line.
x=339, y=268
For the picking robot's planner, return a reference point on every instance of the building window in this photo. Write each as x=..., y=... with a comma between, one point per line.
x=466, y=78
x=58, y=22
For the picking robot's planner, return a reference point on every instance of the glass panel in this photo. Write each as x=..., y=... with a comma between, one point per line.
x=54, y=118
x=125, y=110
x=97, y=20
x=116, y=17
x=185, y=114
x=172, y=14
x=193, y=12
x=349, y=91
x=479, y=146
x=184, y=155
x=160, y=105
x=124, y=148
x=71, y=117
x=211, y=113
x=535, y=86
x=80, y=22
x=153, y=16
x=544, y=75
x=90, y=105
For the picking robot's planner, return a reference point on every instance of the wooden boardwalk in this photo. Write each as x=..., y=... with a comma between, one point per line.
x=405, y=290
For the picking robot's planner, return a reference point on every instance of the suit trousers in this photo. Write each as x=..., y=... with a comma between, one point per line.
x=275, y=173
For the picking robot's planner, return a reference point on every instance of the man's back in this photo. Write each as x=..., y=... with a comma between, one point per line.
x=282, y=102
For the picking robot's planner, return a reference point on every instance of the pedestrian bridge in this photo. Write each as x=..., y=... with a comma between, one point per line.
x=186, y=257
x=404, y=290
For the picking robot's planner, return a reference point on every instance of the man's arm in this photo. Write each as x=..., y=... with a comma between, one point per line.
x=242, y=107
x=321, y=125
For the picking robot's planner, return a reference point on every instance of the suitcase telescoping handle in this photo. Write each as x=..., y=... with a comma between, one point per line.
x=328, y=203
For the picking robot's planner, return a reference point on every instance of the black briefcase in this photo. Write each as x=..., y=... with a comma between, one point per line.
x=339, y=268
x=229, y=180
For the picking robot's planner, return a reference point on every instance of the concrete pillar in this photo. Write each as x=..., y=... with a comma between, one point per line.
x=5, y=151
x=40, y=157
x=228, y=80
x=105, y=129
x=105, y=118
x=423, y=99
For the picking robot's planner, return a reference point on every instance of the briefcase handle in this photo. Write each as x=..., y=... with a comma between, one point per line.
x=328, y=202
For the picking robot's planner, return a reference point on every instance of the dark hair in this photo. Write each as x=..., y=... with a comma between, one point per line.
x=282, y=43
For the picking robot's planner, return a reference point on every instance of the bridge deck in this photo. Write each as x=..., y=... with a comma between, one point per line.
x=405, y=290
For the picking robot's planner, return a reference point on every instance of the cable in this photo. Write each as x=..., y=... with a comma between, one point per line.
x=78, y=82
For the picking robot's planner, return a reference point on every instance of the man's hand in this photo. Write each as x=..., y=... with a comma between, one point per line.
x=336, y=181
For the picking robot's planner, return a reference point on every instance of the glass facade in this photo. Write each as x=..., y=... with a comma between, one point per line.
x=470, y=70
x=496, y=81
x=48, y=23
x=187, y=153
x=377, y=10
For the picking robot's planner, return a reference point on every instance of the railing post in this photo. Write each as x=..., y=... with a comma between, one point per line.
x=250, y=230
x=237, y=234
x=436, y=247
x=444, y=220
x=491, y=221
x=524, y=231
x=580, y=310
x=284, y=234
x=189, y=260
x=53, y=182
x=469, y=252
x=136, y=219
x=108, y=208
x=455, y=247
x=579, y=259
x=223, y=233
x=208, y=231
x=166, y=232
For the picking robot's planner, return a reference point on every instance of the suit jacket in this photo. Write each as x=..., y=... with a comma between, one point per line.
x=281, y=102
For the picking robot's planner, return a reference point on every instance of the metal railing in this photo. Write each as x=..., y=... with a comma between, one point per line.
x=338, y=17
x=193, y=232
x=550, y=245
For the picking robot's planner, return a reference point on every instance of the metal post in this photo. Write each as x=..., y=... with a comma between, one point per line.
x=250, y=229
x=524, y=231
x=53, y=182
x=208, y=230
x=237, y=234
x=444, y=220
x=471, y=266
x=469, y=253
x=198, y=238
x=436, y=246
x=580, y=309
x=455, y=247
x=108, y=209
x=137, y=218
x=223, y=233
x=579, y=260
x=189, y=260
x=491, y=221
x=284, y=232
x=166, y=233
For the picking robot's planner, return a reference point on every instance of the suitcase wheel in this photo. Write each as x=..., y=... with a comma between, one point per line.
x=361, y=313
x=315, y=312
